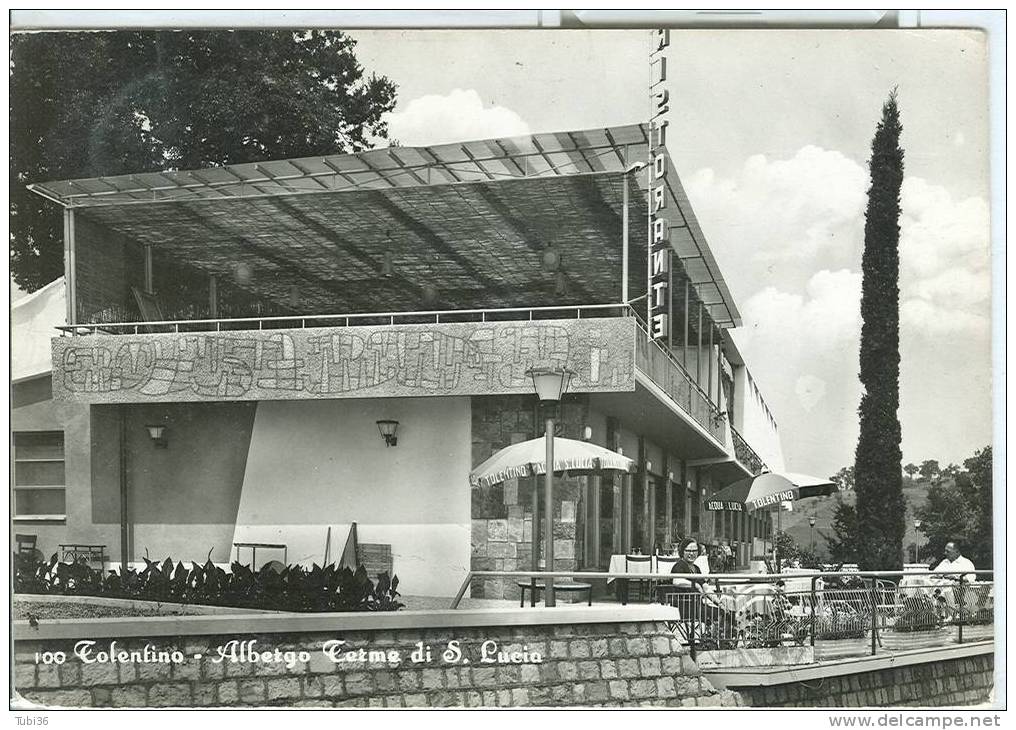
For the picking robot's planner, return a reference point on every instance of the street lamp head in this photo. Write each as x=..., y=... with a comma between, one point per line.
x=917, y=524
x=550, y=384
x=811, y=521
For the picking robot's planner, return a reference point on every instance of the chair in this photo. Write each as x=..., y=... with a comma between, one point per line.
x=643, y=583
x=26, y=543
x=664, y=564
x=885, y=597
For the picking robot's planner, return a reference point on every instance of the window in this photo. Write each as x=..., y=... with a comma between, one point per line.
x=39, y=484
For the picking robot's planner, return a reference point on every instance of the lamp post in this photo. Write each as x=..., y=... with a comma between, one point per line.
x=811, y=524
x=550, y=385
x=917, y=540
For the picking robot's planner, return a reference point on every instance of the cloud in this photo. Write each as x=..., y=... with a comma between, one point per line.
x=774, y=222
x=785, y=209
x=788, y=235
x=945, y=261
x=826, y=317
x=454, y=117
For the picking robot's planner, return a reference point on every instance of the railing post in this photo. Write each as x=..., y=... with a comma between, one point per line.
x=462, y=590
x=814, y=606
x=961, y=598
x=874, y=619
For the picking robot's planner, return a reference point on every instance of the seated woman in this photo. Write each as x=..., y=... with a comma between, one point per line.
x=689, y=552
x=701, y=610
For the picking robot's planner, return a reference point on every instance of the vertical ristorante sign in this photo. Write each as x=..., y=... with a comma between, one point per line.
x=658, y=264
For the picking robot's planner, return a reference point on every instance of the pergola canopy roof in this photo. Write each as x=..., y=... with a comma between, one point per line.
x=471, y=217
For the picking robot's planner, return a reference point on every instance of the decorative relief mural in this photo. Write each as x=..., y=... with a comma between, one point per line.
x=342, y=362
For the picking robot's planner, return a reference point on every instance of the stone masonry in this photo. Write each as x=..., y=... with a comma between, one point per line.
x=608, y=664
x=942, y=683
x=502, y=515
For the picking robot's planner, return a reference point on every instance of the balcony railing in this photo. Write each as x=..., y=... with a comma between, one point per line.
x=585, y=311
x=745, y=454
x=664, y=369
x=803, y=618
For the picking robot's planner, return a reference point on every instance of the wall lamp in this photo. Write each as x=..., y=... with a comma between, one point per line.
x=157, y=432
x=387, y=429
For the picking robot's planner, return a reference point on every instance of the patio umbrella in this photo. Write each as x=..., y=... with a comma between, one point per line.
x=529, y=458
x=767, y=490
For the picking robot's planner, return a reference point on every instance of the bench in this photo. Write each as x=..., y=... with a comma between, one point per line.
x=74, y=552
x=561, y=587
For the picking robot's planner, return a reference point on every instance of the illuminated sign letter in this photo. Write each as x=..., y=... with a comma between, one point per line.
x=659, y=290
x=659, y=166
x=660, y=128
x=659, y=261
x=661, y=100
x=658, y=326
x=661, y=231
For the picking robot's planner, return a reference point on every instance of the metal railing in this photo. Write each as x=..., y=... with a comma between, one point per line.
x=745, y=454
x=506, y=314
x=664, y=369
x=841, y=614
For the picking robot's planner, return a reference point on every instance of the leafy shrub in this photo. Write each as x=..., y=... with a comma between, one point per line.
x=292, y=588
x=917, y=613
x=841, y=623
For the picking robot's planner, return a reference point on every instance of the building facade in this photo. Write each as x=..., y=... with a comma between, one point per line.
x=235, y=335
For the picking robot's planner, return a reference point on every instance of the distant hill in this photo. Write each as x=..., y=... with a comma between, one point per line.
x=823, y=508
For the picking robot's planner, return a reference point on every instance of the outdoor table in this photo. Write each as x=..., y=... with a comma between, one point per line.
x=254, y=551
x=618, y=564
x=798, y=585
x=539, y=585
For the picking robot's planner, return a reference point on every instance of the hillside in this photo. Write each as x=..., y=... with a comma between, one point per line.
x=823, y=508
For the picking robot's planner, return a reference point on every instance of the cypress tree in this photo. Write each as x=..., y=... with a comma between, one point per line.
x=881, y=509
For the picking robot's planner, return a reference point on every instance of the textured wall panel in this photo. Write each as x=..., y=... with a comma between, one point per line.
x=343, y=362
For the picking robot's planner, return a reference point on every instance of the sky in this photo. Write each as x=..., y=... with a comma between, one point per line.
x=770, y=133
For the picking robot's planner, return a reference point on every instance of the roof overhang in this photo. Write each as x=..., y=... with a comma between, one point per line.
x=485, y=206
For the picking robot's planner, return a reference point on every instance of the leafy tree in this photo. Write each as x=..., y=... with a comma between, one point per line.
x=911, y=469
x=788, y=550
x=843, y=542
x=110, y=103
x=961, y=509
x=878, y=459
x=844, y=478
x=951, y=471
x=929, y=469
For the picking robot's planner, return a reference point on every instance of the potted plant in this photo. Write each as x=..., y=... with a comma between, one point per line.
x=919, y=623
x=841, y=629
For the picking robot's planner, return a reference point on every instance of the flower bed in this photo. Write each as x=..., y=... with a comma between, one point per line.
x=292, y=588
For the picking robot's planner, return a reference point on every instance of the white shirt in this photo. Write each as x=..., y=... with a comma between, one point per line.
x=702, y=561
x=960, y=563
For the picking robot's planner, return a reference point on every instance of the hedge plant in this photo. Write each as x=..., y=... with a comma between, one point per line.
x=292, y=588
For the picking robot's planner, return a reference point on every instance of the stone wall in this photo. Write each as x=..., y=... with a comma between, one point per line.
x=939, y=683
x=592, y=664
x=502, y=515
